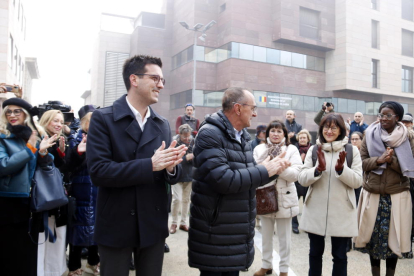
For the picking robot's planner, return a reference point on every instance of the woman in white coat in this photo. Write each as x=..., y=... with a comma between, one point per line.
x=277, y=143
x=330, y=205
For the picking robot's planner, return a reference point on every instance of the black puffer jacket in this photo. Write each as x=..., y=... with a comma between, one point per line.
x=223, y=202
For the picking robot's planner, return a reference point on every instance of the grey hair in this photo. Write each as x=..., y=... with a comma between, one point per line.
x=233, y=95
x=185, y=128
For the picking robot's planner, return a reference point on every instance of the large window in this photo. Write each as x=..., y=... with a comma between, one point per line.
x=249, y=52
x=374, y=34
x=114, y=86
x=407, y=79
x=374, y=73
x=10, y=56
x=374, y=4
x=407, y=8
x=407, y=43
x=309, y=23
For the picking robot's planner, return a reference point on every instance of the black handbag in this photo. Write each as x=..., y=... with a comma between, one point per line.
x=47, y=193
x=47, y=189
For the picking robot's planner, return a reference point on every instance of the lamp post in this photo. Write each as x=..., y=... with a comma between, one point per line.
x=203, y=36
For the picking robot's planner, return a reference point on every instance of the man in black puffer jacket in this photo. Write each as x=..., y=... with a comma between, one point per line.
x=225, y=178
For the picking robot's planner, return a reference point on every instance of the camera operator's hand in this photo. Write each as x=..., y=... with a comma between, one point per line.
x=348, y=121
x=62, y=144
x=329, y=108
x=321, y=160
x=324, y=106
x=3, y=88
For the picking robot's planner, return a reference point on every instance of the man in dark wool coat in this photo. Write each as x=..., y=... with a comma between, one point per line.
x=225, y=178
x=129, y=162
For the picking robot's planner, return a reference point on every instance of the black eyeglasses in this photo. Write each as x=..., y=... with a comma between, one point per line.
x=254, y=107
x=16, y=112
x=155, y=78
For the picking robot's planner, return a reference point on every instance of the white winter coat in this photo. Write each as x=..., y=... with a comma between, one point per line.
x=330, y=204
x=285, y=184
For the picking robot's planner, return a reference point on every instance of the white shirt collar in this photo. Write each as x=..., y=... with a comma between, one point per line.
x=238, y=134
x=138, y=117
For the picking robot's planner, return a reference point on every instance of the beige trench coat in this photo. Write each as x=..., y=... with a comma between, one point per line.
x=330, y=204
x=285, y=184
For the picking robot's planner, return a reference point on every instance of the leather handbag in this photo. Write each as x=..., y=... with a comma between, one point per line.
x=266, y=200
x=47, y=189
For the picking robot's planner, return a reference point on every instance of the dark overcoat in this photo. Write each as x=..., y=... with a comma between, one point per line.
x=132, y=204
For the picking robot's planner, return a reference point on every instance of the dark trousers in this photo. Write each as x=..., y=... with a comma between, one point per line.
x=317, y=247
x=75, y=253
x=213, y=273
x=18, y=254
x=116, y=261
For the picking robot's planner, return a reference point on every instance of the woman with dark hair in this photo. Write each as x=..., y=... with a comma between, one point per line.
x=21, y=150
x=356, y=140
x=330, y=206
x=384, y=211
x=278, y=143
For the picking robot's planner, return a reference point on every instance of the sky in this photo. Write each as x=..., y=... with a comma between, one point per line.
x=61, y=35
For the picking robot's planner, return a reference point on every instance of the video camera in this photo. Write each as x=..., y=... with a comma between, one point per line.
x=57, y=105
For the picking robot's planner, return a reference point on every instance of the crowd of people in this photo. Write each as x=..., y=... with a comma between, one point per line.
x=124, y=172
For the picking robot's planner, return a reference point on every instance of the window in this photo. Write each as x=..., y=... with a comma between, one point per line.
x=114, y=86
x=246, y=51
x=20, y=68
x=272, y=56
x=309, y=23
x=407, y=43
x=153, y=20
x=374, y=4
x=407, y=79
x=374, y=34
x=374, y=73
x=15, y=60
x=298, y=60
x=285, y=58
x=222, y=8
x=407, y=7
x=259, y=54
x=10, y=56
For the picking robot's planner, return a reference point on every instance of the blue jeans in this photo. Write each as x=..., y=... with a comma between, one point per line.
x=317, y=247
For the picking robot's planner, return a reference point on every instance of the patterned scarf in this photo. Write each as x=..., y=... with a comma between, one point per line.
x=274, y=150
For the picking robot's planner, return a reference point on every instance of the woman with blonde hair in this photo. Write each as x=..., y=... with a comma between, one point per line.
x=52, y=256
x=80, y=233
x=277, y=142
x=21, y=150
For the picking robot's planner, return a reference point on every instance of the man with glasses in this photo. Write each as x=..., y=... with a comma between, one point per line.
x=225, y=178
x=131, y=160
x=188, y=119
x=357, y=124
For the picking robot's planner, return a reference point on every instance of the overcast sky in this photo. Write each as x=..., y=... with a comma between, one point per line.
x=61, y=35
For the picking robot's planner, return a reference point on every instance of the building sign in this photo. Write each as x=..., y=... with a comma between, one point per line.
x=277, y=100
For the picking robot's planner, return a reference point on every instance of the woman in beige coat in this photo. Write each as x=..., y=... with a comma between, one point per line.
x=277, y=143
x=330, y=205
x=384, y=211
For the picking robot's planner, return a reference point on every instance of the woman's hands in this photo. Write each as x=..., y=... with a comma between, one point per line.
x=62, y=144
x=82, y=144
x=321, y=160
x=46, y=142
x=386, y=156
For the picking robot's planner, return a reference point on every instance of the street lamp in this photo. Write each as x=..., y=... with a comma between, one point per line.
x=203, y=36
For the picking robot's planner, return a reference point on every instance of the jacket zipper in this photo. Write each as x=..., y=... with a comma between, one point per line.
x=329, y=189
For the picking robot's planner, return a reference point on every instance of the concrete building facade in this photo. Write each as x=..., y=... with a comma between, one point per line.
x=293, y=54
x=15, y=67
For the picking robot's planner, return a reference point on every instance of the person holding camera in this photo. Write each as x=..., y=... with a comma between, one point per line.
x=326, y=109
x=21, y=150
x=330, y=205
x=52, y=256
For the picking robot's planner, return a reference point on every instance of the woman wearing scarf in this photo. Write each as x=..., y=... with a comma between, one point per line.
x=384, y=211
x=303, y=146
x=21, y=150
x=330, y=206
x=277, y=143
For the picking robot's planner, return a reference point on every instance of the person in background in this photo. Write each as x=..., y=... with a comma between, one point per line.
x=52, y=256
x=181, y=192
x=80, y=232
x=21, y=150
x=407, y=120
x=188, y=119
x=278, y=141
x=326, y=109
x=303, y=146
x=292, y=126
x=330, y=207
x=357, y=124
x=260, y=136
x=356, y=140
x=385, y=208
